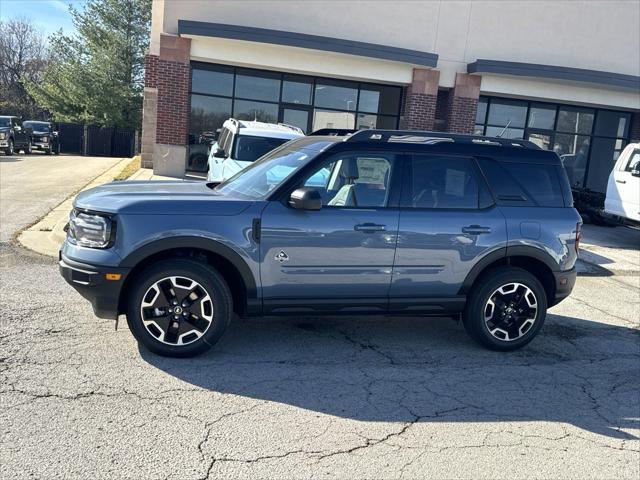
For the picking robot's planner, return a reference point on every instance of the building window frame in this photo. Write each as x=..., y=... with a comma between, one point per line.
x=481, y=127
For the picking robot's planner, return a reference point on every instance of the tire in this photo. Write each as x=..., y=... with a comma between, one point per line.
x=29, y=149
x=10, y=150
x=489, y=317
x=49, y=151
x=193, y=336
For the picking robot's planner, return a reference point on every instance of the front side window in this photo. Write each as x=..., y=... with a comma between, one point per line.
x=353, y=180
x=249, y=148
x=443, y=183
x=634, y=162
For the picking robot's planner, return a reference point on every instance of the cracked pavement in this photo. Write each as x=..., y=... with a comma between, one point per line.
x=339, y=397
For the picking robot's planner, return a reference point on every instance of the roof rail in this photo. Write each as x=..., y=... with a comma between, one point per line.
x=425, y=137
x=292, y=127
x=333, y=132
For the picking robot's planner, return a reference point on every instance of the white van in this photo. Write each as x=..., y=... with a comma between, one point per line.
x=623, y=188
x=241, y=142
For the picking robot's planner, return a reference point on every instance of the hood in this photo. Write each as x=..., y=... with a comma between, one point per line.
x=40, y=132
x=5, y=129
x=152, y=197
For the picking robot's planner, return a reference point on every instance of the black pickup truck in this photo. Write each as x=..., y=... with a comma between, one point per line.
x=13, y=136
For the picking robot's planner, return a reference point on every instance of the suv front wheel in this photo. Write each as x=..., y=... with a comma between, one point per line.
x=179, y=308
x=505, y=309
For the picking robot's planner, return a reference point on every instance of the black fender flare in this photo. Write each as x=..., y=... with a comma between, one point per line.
x=200, y=243
x=505, y=253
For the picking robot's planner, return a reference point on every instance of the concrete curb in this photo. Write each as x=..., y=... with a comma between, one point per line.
x=46, y=235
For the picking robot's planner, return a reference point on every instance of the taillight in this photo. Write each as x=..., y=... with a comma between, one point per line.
x=578, y=235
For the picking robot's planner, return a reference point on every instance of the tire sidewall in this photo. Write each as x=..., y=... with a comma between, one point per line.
x=208, y=278
x=474, y=313
x=11, y=148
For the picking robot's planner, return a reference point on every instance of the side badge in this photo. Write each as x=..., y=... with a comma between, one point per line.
x=282, y=257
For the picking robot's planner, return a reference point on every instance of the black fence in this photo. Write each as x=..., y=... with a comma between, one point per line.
x=97, y=141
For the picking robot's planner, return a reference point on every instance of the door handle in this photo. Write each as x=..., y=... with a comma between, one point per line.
x=369, y=227
x=621, y=181
x=476, y=230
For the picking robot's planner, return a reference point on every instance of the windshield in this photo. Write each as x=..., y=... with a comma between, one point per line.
x=260, y=178
x=36, y=125
x=249, y=148
x=5, y=122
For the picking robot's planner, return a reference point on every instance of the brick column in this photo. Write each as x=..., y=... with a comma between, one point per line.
x=419, y=107
x=462, y=103
x=165, y=121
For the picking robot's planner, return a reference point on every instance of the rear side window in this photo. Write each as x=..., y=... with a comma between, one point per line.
x=249, y=148
x=523, y=184
x=444, y=183
x=634, y=161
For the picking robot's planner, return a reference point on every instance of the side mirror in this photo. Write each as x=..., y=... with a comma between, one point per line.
x=219, y=153
x=306, y=198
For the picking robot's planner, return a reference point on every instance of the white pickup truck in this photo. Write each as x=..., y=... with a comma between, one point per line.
x=623, y=188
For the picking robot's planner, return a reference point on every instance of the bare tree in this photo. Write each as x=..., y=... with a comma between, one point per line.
x=23, y=57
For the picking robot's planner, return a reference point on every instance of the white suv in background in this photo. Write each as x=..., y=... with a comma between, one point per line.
x=623, y=189
x=242, y=142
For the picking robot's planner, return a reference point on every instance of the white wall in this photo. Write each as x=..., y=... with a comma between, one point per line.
x=590, y=34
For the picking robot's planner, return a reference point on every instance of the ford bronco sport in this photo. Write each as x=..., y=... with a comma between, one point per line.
x=374, y=222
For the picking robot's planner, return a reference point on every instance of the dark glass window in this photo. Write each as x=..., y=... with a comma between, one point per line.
x=366, y=120
x=542, y=116
x=249, y=148
x=379, y=99
x=296, y=90
x=575, y=120
x=612, y=124
x=481, y=113
x=539, y=182
x=505, y=133
x=332, y=119
x=338, y=95
x=511, y=112
x=586, y=139
x=442, y=183
x=208, y=113
x=213, y=81
x=604, y=154
x=574, y=152
x=257, y=87
x=259, y=111
x=633, y=163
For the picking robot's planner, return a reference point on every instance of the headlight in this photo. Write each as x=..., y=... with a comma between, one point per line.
x=45, y=139
x=3, y=135
x=89, y=230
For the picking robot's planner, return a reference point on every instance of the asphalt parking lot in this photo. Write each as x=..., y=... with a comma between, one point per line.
x=341, y=397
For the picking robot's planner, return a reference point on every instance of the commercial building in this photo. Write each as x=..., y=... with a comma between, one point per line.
x=563, y=74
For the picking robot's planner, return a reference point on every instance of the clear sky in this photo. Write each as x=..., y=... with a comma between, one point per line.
x=48, y=15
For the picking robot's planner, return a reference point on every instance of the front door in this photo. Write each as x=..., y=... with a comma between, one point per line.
x=447, y=223
x=341, y=256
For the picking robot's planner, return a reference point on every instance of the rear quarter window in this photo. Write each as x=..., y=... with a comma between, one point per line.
x=524, y=184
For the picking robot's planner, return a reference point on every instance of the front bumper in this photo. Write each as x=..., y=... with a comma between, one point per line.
x=40, y=145
x=90, y=281
x=565, y=281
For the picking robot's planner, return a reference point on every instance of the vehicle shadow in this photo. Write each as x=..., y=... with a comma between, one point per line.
x=399, y=369
x=5, y=159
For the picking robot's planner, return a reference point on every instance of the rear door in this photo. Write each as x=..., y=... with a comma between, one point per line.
x=447, y=223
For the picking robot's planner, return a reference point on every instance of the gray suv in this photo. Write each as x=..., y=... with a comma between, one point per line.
x=372, y=222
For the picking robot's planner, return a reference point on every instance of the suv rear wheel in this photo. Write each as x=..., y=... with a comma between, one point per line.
x=179, y=308
x=506, y=309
